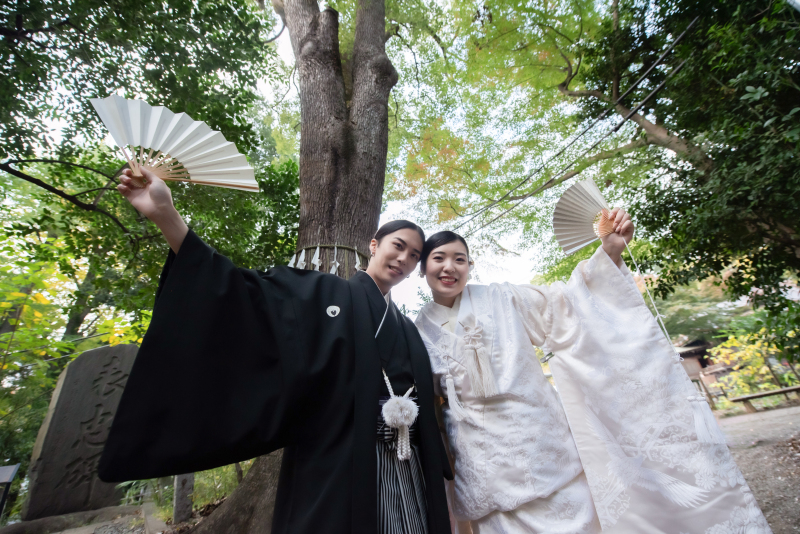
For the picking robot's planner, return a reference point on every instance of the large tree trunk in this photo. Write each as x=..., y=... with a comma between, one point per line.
x=344, y=125
x=248, y=510
x=344, y=135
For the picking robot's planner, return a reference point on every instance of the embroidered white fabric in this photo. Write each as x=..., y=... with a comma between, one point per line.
x=626, y=418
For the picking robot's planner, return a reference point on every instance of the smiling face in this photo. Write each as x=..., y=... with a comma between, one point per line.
x=395, y=257
x=447, y=271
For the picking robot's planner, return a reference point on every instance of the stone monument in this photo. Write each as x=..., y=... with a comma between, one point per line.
x=182, y=501
x=63, y=468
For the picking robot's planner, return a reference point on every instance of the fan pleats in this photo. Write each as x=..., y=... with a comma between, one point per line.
x=172, y=145
x=575, y=216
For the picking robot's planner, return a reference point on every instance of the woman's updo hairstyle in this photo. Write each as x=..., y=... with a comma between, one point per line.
x=394, y=226
x=437, y=240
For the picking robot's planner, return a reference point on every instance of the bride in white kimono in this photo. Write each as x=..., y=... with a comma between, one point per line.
x=626, y=445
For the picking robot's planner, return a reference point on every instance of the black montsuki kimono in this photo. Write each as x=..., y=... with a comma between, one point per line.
x=238, y=363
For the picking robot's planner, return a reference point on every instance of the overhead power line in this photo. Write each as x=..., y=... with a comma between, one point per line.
x=552, y=181
x=602, y=116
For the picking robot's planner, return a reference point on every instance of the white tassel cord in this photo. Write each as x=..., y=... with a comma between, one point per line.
x=478, y=364
x=400, y=413
x=705, y=424
x=456, y=409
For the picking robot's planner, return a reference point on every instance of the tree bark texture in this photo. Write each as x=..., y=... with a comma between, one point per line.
x=344, y=127
x=344, y=136
x=249, y=509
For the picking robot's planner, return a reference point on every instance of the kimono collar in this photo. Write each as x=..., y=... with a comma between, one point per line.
x=385, y=317
x=461, y=313
x=444, y=317
x=380, y=304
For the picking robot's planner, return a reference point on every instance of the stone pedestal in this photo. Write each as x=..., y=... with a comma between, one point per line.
x=63, y=473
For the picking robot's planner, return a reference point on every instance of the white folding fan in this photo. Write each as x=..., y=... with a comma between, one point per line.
x=172, y=145
x=581, y=217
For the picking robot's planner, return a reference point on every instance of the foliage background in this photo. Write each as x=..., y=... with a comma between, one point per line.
x=489, y=92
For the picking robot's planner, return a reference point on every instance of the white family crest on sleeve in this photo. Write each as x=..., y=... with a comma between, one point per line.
x=333, y=311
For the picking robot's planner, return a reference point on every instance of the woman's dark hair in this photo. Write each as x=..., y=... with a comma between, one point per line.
x=437, y=240
x=394, y=226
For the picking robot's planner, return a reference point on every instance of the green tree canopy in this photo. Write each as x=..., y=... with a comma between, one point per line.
x=707, y=166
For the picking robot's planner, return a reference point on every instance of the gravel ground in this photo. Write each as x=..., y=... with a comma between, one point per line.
x=766, y=446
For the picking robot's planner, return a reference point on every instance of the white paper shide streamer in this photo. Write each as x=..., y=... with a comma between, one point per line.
x=580, y=218
x=315, y=261
x=172, y=145
x=301, y=262
x=400, y=413
x=335, y=263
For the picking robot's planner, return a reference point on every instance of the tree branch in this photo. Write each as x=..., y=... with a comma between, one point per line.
x=562, y=87
x=58, y=192
x=552, y=29
x=283, y=27
x=588, y=162
x=424, y=26
x=104, y=188
x=21, y=32
x=394, y=30
x=18, y=161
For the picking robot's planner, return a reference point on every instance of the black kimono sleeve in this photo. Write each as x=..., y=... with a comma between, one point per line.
x=213, y=382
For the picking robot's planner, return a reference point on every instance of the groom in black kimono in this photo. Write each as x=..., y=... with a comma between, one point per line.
x=237, y=363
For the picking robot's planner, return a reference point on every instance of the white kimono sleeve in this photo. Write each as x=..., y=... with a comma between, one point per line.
x=652, y=452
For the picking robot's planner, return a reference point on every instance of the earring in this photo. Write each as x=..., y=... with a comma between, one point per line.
x=471, y=266
x=421, y=274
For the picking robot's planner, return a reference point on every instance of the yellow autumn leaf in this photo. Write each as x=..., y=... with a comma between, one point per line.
x=38, y=297
x=37, y=314
x=5, y=304
x=18, y=295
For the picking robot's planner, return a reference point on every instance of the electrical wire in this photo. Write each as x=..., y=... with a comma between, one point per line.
x=602, y=116
x=552, y=181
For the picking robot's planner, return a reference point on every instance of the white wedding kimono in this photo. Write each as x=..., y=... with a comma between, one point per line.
x=629, y=447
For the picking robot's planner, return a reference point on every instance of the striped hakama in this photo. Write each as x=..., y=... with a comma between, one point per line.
x=402, y=508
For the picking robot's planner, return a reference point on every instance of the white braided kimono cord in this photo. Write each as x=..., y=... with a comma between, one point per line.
x=403, y=437
x=705, y=424
x=659, y=317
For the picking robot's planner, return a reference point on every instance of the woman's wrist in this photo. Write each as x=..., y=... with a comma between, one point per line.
x=614, y=255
